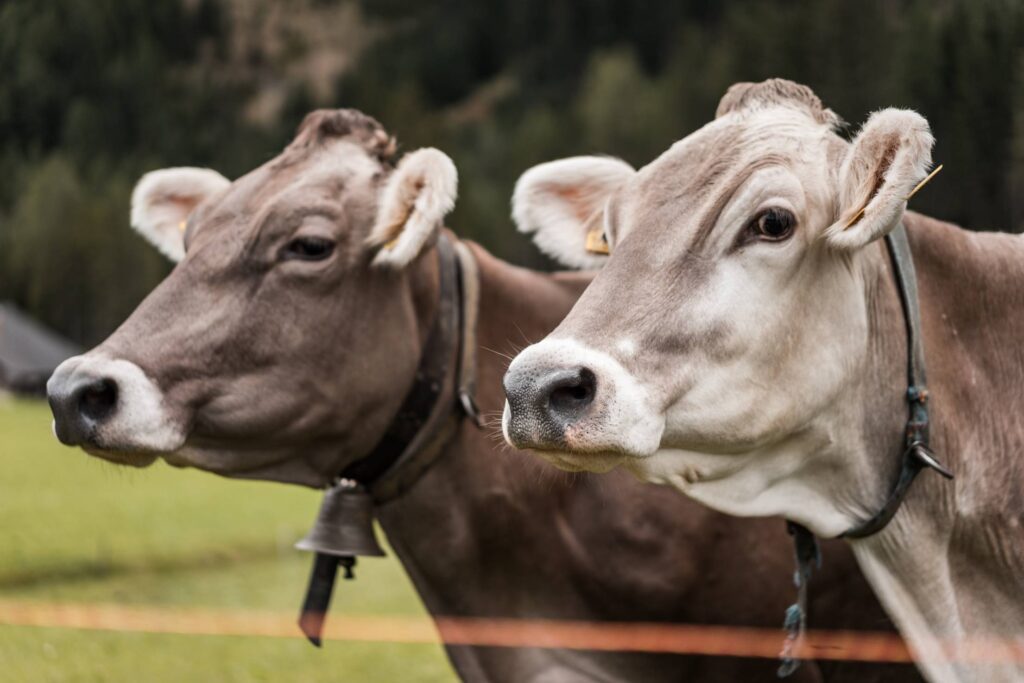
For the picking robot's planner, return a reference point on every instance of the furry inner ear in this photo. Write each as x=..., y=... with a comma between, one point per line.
x=415, y=200
x=561, y=203
x=888, y=158
x=162, y=201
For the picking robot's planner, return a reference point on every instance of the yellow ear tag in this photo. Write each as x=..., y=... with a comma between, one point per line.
x=181, y=226
x=856, y=216
x=596, y=243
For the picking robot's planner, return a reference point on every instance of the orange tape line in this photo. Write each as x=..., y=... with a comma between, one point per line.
x=864, y=646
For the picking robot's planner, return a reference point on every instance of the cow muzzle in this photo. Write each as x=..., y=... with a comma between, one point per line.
x=112, y=409
x=565, y=398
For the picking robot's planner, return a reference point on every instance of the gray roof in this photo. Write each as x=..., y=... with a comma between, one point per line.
x=27, y=348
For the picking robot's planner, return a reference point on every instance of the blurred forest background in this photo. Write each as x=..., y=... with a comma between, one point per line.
x=93, y=94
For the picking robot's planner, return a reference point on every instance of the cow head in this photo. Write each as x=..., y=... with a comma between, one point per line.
x=285, y=338
x=731, y=316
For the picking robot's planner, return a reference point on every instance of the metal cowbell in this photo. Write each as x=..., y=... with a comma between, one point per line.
x=343, y=530
x=344, y=525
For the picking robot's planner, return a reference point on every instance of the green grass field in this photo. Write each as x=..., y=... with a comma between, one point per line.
x=74, y=529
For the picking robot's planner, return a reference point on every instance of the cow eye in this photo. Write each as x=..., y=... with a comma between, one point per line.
x=309, y=248
x=773, y=225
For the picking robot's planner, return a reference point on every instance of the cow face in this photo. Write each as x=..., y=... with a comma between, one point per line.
x=731, y=312
x=284, y=340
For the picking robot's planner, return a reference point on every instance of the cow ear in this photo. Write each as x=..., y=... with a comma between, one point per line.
x=888, y=158
x=162, y=201
x=415, y=200
x=561, y=203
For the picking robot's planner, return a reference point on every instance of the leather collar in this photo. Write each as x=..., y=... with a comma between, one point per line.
x=442, y=391
x=916, y=453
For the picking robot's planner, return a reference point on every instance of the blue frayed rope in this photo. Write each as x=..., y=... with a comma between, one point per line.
x=807, y=557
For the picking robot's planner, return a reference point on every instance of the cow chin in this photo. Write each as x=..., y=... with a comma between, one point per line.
x=687, y=470
x=127, y=458
x=599, y=463
x=264, y=464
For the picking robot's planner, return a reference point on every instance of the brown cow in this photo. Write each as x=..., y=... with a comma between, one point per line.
x=281, y=346
x=746, y=343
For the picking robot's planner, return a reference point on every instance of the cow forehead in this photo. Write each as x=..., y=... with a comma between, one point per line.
x=721, y=154
x=340, y=167
x=700, y=171
x=335, y=174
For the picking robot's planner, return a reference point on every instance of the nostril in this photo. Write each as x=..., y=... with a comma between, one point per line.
x=573, y=394
x=98, y=399
x=570, y=394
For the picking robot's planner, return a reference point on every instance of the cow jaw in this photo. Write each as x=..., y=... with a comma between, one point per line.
x=143, y=426
x=280, y=464
x=762, y=469
x=761, y=483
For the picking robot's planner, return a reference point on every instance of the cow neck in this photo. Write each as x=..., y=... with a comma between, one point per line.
x=916, y=451
x=443, y=388
x=427, y=418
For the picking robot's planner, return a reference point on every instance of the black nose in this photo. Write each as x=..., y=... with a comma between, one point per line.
x=544, y=403
x=79, y=404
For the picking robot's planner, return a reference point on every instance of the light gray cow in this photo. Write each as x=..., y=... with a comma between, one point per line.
x=746, y=344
